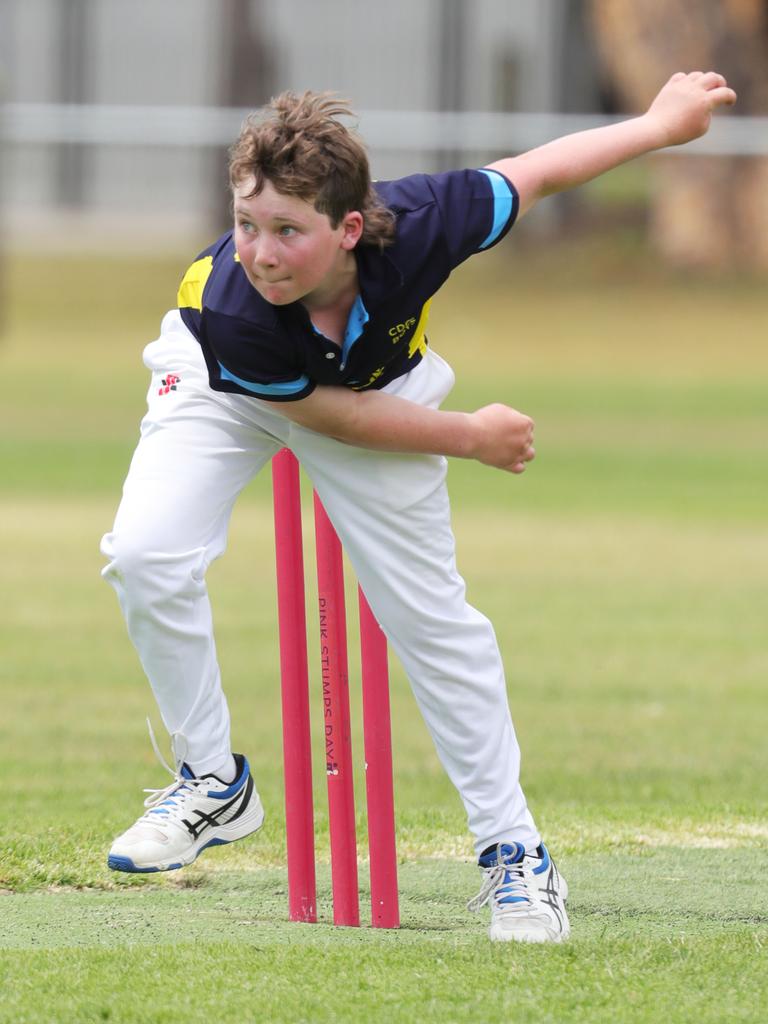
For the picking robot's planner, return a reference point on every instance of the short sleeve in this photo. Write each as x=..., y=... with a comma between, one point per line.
x=477, y=209
x=245, y=360
x=245, y=350
x=449, y=217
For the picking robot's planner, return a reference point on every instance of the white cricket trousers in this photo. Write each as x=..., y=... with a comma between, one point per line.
x=198, y=449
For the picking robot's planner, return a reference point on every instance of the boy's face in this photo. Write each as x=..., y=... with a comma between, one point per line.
x=288, y=250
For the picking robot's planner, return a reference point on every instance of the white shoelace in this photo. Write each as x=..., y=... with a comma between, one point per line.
x=163, y=802
x=494, y=880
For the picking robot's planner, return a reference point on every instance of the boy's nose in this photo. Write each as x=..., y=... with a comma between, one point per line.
x=264, y=253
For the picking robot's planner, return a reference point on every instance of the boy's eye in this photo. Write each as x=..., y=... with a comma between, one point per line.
x=286, y=231
x=245, y=225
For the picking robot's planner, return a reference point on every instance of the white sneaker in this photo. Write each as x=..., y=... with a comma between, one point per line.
x=526, y=893
x=186, y=817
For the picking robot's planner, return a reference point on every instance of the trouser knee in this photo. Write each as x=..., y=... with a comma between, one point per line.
x=140, y=570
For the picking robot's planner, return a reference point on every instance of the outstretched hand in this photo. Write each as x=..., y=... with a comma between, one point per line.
x=682, y=111
x=502, y=437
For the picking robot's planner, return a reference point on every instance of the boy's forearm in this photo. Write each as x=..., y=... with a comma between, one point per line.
x=495, y=435
x=575, y=159
x=681, y=112
x=387, y=423
x=375, y=419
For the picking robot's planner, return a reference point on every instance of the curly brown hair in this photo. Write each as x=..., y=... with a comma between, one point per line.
x=298, y=145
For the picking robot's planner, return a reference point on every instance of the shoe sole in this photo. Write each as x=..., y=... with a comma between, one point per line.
x=496, y=933
x=530, y=937
x=118, y=862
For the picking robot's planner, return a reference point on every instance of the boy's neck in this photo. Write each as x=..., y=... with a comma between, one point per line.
x=337, y=294
x=329, y=307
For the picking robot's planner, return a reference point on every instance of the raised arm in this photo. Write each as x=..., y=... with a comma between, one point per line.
x=495, y=435
x=681, y=112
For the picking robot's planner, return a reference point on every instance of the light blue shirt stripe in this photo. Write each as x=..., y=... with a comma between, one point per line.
x=288, y=387
x=358, y=318
x=502, y=205
x=356, y=321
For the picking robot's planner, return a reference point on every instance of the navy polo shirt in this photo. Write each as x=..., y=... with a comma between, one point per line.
x=274, y=352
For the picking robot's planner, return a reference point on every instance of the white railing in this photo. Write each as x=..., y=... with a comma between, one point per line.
x=730, y=135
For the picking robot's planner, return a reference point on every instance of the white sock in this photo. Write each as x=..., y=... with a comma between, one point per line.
x=227, y=772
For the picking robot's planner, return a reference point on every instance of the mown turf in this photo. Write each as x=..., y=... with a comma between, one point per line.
x=652, y=933
x=625, y=574
x=655, y=938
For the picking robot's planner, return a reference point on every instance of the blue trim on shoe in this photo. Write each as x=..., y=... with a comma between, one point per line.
x=236, y=786
x=505, y=854
x=117, y=863
x=545, y=861
x=162, y=809
x=214, y=842
x=511, y=853
x=233, y=788
x=126, y=864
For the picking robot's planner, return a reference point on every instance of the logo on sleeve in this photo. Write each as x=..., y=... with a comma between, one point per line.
x=170, y=382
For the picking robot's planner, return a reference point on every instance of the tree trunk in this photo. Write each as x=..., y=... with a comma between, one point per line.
x=706, y=211
x=246, y=80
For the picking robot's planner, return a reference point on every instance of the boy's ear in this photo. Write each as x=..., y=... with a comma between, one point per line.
x=352, y=225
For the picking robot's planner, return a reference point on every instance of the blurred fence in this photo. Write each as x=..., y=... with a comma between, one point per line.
x=422, y=130
x=160, y=170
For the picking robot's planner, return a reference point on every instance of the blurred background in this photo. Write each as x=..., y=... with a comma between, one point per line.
x=120, y=111
x=625, y=572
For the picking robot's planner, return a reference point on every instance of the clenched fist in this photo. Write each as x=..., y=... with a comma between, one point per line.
x=502, y=437
x=683, y=108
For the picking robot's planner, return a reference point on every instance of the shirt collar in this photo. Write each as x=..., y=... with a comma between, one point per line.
x=378, y=276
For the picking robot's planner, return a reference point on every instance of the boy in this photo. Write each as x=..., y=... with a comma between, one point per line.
x=305, y=328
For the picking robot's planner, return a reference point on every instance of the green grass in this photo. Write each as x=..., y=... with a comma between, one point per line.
x=625, y=573
x=625, y=965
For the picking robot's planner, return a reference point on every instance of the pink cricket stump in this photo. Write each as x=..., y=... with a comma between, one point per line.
x=297, y=749
x=377, y=734
x=336, y=727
